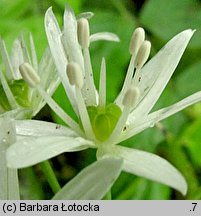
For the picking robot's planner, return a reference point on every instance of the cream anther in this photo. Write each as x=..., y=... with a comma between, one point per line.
x=143, y=54
x=29, y=74
x=74, y=73
x=83, y=32
x=136, y=40
x=131, y=97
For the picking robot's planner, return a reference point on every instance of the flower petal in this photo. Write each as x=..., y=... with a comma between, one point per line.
x=9, y=188
x=9, y=70
x=93, y=182
x=157, y=72
x=150, y=166
x=42, y=128
x=54, y=34
x=33, y=150
x=108, y=36
x=150, y=120
x=49, y=80
x=69, y=38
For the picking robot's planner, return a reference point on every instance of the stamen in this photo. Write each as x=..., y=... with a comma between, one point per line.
x=135, y=44
x=143, y=54
x=29, y=74
x=102, y=85
x=141, y=58
x=136, y=40
x=33, y=80
x=74, y=74
x=83, y=32
x=129, y=101
x=83, y=38
x=131, y=97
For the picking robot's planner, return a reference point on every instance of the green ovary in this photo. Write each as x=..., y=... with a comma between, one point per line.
x=20, y=91
x=104, y=120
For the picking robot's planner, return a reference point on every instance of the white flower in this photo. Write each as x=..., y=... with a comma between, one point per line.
x=103, y=126
x=15, y=94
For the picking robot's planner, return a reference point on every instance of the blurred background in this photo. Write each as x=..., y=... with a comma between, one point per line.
x=178, y=139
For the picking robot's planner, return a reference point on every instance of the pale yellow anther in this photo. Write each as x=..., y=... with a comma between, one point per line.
x=29, y=74
x=83, y=32
x=143, y=54
x=131, y=97
x=136, y=40
x=74, y=73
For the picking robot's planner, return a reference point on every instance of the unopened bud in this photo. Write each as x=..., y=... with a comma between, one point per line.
x=131, y=97
x=74, y=73
x=136, y=40
x=143, y=54
x=83, y=32
x=29, y=74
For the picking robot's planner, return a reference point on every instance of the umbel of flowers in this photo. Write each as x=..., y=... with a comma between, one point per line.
x=102, y=126
x=15, y=94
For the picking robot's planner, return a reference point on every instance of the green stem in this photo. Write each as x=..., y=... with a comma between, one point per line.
x=51, y=178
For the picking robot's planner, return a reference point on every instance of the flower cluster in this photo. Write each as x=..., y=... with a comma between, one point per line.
x=15, y=94
x=102, y=126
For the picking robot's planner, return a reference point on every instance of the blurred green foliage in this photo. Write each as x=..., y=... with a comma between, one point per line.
x=162, y=20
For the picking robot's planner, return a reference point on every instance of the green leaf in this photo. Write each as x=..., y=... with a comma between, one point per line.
x=191, y=139
x=168, y=17
x=93, y=182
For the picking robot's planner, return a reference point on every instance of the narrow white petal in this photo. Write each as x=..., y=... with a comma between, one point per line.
x=6, y=60
x=153, y=118
x=108, y=36
x=33, y=53
x=70, y=39
x=8, y=92
x=25, y=53
x=42, y=128
x=30, y=151
x=16, y=58
x=9, y=187
x=54, y=34
x=150, y=166
x=157, y=72
x=93, y=182
x=171, y=110
x=49, y=80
